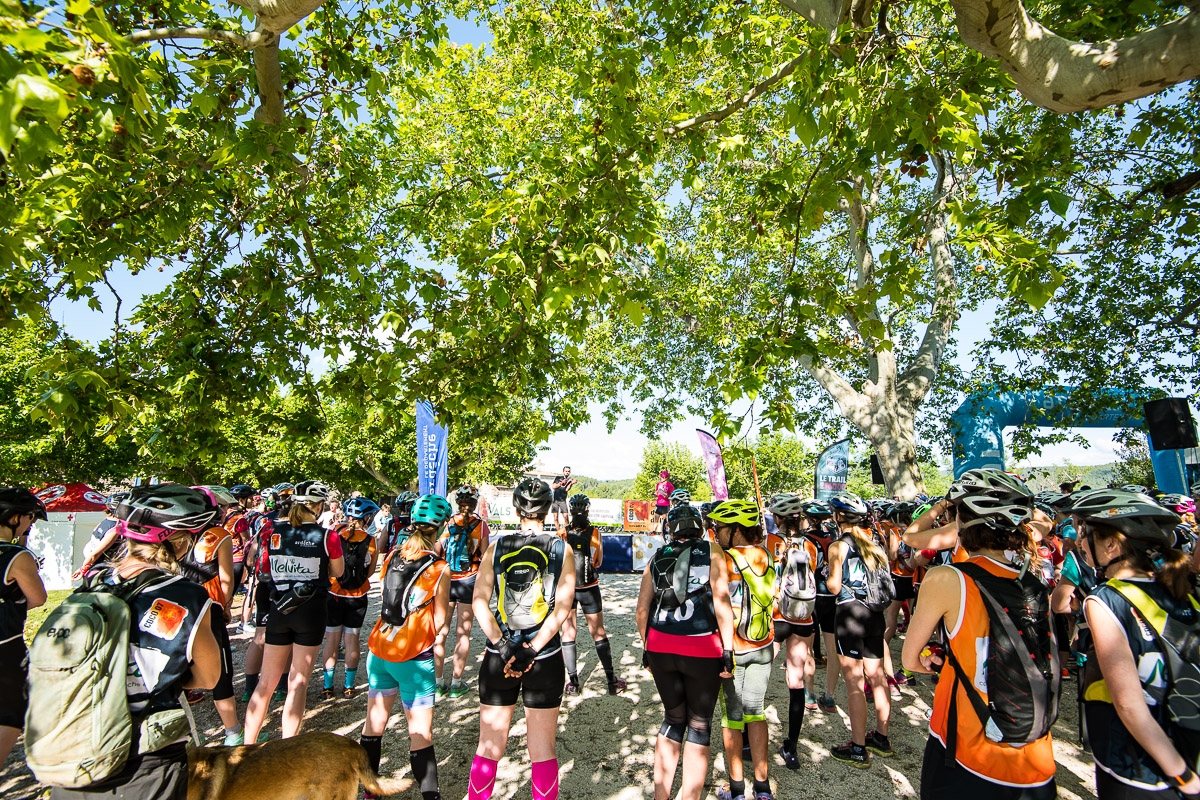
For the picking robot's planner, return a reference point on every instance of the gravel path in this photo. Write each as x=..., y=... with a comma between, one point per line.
x=605, y=744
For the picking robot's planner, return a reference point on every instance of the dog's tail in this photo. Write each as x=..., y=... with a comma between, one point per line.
x=381, y=786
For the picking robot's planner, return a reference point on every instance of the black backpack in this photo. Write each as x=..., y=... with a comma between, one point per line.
x=1022, y=666
x=354, y=560
x=397, y=600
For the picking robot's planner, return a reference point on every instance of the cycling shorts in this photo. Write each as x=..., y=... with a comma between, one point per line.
x=859, y=631
x=541, y=687
x=661, y=510
x=825, y=613
x=262, y=603
x=462, y=589
x=224, y=688
x=743, y=697
x=14, y=667
x=345, y=612
x=784, y=629
x=588, y=598
x=414, y=680
x=304, y=627
x=904, y=587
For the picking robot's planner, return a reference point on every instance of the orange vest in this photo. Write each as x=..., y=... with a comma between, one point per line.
x=205, y=551
x=889, y=530
x=1031, y=765
x=775, y=545
x=356, y=536
x=404, y=643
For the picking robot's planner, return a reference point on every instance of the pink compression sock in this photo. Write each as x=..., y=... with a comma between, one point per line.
x=545, y=780
x=483, y=779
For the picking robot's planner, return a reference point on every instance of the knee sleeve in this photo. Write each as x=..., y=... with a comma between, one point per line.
x=699, y=732
x=1062, y=631
x=672, y=731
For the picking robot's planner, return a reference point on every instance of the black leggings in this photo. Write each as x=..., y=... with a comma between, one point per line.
x=689, y=687
x=224, y=688
x=1109, y=788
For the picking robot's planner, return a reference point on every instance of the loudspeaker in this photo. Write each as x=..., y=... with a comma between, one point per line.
x=1170, y=424
x=876, y=472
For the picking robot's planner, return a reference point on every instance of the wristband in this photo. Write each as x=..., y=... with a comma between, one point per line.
x=727, y=661
x=1182, y=779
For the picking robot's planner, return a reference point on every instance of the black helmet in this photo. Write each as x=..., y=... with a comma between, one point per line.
x=14, y=500
x=114, y=500
x=404, y=503
x=707, y=507
x=1132, y=513
x=579, y=503
x=242, y=491
x=467, y=495
x=682, y=520
x=531, y=498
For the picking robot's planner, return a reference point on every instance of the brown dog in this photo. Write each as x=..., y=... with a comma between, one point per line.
x=311, y=766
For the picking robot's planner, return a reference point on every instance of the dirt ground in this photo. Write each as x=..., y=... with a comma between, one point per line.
x=605, y=744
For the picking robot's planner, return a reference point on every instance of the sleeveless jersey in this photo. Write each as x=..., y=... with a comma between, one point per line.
x=775, y=545
x=417, y=634
x=239, y=529
x=695, y=617
x=1031, y=765
x=744, y=597
x=805, y=542
x=199, y=563
x=586, y=544
x=899, y=565
x=13, y=605
x=297, y=555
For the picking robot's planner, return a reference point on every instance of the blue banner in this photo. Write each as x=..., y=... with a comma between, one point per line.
x=432, y=458
x=833, y=469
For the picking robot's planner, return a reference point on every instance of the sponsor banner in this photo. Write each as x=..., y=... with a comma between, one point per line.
x=638, y=516
x=495, y=504
x=294, y=568
x=833, y=469
x=432, y=456
x=715, y=462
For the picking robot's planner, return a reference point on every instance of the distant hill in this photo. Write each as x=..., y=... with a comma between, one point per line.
x=594, y=487
x=1049, y=476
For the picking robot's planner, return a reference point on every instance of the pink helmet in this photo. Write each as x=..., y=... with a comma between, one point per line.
x=1188, y=506
x=218, y=495
x=153, y=513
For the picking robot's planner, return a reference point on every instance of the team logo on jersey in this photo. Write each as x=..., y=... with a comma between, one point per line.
x=164, y=619
x=275, y=541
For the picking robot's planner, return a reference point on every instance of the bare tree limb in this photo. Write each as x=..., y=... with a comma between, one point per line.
x=847, y=397
x=738, y=104
x=245, y=41
x=270, y=84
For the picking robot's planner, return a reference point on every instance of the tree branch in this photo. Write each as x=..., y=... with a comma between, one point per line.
x=270, y=84
x=368, y=463
x=749, y=97
x=244, y=41
x=845, y=395
x=279, y=15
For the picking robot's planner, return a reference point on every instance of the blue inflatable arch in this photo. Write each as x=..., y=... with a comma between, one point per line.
x=978, y=427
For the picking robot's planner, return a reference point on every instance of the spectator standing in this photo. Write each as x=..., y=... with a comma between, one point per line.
x=662, y=497
x=562, y=513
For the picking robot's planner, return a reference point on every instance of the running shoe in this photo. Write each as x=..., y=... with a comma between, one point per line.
x=810, y=700
x=826, y=704
x=724, y=794
x=616, y=686
x=235, y=739
x=326, y=694
x=441, y=690
x=879, y=744
x=764, y=796
x=240, y=629
x=894, y=688
x=349, y=692
x=194, y=697
x=457, y=689
x=571, y=689
x=852, y=754
x=790, y=759
x=280, y=695
x=900, y=679
x=1066, y=673
x=246, y=695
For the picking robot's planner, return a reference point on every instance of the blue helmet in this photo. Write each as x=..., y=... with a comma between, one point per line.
x=359, y=508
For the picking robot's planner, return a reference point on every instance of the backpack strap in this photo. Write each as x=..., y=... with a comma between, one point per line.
x=960, y=674
x=1154, y=615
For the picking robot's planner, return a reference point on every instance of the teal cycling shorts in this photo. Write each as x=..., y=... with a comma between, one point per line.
x=413, y=680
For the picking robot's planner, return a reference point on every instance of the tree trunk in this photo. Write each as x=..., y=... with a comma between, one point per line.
x=897, y=454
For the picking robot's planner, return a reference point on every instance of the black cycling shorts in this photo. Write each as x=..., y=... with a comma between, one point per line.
x=904, y=587
x=14, y=667
x=345, y=612
x=239, y=572
x=661, y=510
x=941, y=780
x=224, y=688
x=541, y=687
x=262, y=603
x=305, y=626
x=784, y=629
x=688, y=686
x=859, y=631
x=588, y=598
x=462, y=590
x=825, y=613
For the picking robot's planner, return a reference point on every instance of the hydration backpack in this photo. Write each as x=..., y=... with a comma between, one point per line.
x=757, y=597
x=354, y=561
x=458, y=546
x=797, y=596
x=79, y=729
x=877, y=590
x=400, y=600
x=526, y=580
x=1021, y=664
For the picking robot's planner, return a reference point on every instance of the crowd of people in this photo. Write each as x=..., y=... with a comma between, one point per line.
x=1003, y=594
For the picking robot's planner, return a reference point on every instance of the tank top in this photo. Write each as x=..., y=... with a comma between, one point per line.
x=1031, y=765
x=823, y=536
x=418, y=633
x=200, y=563
x=355, y=541
x=298, y=556
x=13, y=605
x=586, y=543
x=741, y=595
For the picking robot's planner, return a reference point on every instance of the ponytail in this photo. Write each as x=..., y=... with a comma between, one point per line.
x=421, y=537
x=869, y=550
x=160, y=556
x=1170, y=567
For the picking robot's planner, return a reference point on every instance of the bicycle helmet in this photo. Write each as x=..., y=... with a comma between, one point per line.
x=817, y=509
x=114, y=500
x=242, y=491
x=269, y=497
x=902, y=513
x=680, y=497
x=311, y=492
x=467, y=495
x=992, y=482
x=404, y=503
x=531, y=498
x=432, y=509
x=706, y=508
x=284, y=489
x=579, y=503
x=1178, y=503
x=219, y=495
x=154, y=513
x=921, y=509
x=848, y=504
x=1005, y=512
x=15, y=500
x=1136, y=488
x=786, y=504
x=682, y=520
x=736, y=512
x=359, y=508
x=1132, y=513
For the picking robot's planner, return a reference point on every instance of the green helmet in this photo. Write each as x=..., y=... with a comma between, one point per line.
x=736, y=512
x=432, y=509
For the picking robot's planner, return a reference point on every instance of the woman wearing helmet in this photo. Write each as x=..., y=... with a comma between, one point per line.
x=855, y=559
x=686, y=624
x=260, y=524
x=990, y=510
x=1144, y=583
x=662, y=497
x=587, y=545
x=346, y=608
x=301, y=557
x=171, y=644
x=209, y=562
x=751, y=570
x=99, y=545
x=397, y=527
x=794, y=622
x=413, y=621
x=462, y=544
x=823, y=531
x=21, y=589
x=532, y=575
